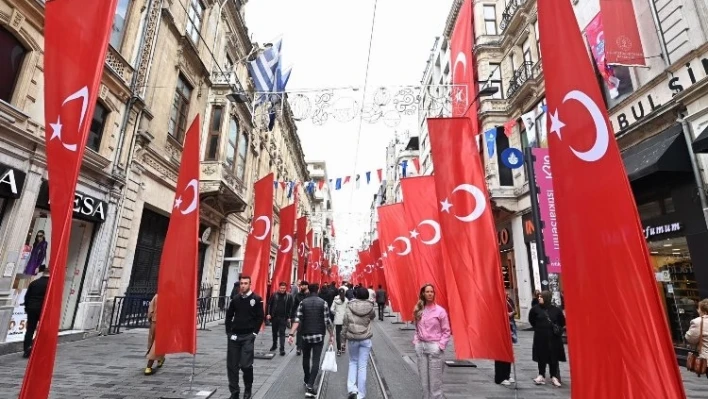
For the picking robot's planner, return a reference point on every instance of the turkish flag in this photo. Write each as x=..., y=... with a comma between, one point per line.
x=177, y=281
x=284, y=259
x=470, y=240
x=602, y=245
x=464, y=77
x=301, y=246
x=393, y=236
x=367, y=266
x=389, y=273
x=379, y=278
x=623, y=45
x=313, y=266
x=257, y=256
x=75, y=43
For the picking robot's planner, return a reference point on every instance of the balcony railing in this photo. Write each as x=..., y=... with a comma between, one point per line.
x=521, y=75
x=511, y=9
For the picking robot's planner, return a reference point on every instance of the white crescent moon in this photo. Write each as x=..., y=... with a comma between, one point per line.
x=380, y=261
x=436, y=226
x=301, y=251
x=461, y=58
x=602, y=134
x=267, y=229
x=479, y=199
x=290, y=244
x=408, y=245
x=369, y=269
x=194, y=185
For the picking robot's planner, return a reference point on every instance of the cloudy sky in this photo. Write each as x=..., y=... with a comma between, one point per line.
x=327, y=42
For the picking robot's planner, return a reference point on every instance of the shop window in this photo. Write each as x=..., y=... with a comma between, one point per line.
x=212, y=147
x=12, y=53
x=98, y=124
x=490, y=19
x=180, y=110
x=232, y=142
x=194, y=20
x=495, y=80
x=242, y=153
x=506, y=178
x=119, y=22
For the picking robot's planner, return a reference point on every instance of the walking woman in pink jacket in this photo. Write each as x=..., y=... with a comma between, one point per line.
x=432, y=333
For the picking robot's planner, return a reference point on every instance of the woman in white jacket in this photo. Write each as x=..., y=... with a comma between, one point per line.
x=339, y=307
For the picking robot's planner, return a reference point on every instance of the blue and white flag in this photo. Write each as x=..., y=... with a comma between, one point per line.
x=263, y=70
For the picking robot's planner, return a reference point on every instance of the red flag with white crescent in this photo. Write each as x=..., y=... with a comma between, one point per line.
x=75, y=43
x=177, y=281
x=463, y=65
x=301, y=246
x=470, y=239
x=379, y=277
x=257, y=256
x=286, y=247
x=599, y=227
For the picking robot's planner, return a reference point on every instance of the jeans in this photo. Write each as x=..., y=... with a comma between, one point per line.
x=382, y=306
x=358, y=365
x=338, y=332
x=430, y=369
x=32, y=321
x=311, y=352
x=279, y=325
x=553, y=369
x=239, y=355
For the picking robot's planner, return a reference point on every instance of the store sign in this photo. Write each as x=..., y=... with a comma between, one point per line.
x=529, y=227
x=652, y=231
x=11, y=182
x=85, y=207
x=504, y=237
x=688, y=75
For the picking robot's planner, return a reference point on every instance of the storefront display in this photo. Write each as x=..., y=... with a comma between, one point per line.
x=508, y=262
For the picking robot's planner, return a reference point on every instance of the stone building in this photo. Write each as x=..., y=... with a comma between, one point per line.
x=167, y=62
x=322, y=212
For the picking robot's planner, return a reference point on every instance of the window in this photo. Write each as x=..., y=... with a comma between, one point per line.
x=12, y=53
x=506, y=178
x=242, y=152
x=194, y=20
x=233, y=139
x=495, y=80
x=98, y=123
x=538, y=41
x=490, y=20
x=212, y=147
x=180, y=110
x=118, y=28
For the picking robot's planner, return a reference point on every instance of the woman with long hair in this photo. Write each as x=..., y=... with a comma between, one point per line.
x=151, y=355
x=432, y=333
x=356, y=329
x=39, y=252
x=338, y=309
x=548, y=323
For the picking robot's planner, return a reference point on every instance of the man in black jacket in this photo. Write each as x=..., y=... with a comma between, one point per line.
x=244, y=319
x=34, y=298
x=314, y=322
x=280, y=307
x=381, y=299
x=304, y=293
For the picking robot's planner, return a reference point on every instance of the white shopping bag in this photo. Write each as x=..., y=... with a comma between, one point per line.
x=330, y=360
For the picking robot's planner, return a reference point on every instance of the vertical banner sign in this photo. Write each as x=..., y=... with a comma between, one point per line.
x=547, y=208
x=463, y=66
x=257, y=256
x=286, y=246
x=623, y=46
x=596, y=41
x=466, y=217
x=393, y=235
x=301, y=246
x=75, y=43
x=602, y=242
x=177, y=279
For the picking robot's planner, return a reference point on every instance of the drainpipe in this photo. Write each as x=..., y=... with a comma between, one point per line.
x=662, y=38
x=121, y=136
x=688, y=136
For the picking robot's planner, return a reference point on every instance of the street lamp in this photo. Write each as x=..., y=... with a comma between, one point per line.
x=487, y=91
x=237, y=97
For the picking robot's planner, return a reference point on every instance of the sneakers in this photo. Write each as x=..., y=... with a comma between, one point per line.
x=555, y=382
x=273, y=348
x=506, y=383
x=352, y=395
x=310, y=392
x=540, y=380
x=160, y=363
x=148, y=371
x=299, y=352
x=282, y=353
x=247, y=393
x=511, y=380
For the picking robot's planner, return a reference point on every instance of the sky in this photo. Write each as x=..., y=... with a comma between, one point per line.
x=327, y=42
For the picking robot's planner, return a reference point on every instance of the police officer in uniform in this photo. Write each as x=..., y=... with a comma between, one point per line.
x=243, y=322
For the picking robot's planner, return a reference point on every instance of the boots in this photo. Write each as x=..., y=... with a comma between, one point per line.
x=247, y=392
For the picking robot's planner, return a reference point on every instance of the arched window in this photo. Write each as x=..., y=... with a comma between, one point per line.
x=242, y=153
x=233, y=141
x=12, y=53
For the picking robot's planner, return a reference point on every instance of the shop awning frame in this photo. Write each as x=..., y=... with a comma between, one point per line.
x=666, y=152
x=700, y=144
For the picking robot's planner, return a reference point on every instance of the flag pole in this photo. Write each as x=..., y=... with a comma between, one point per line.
x=516, y=383
x=191, y=378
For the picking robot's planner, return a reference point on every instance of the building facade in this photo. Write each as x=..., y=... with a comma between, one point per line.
x=322, y=220
x=167, y=62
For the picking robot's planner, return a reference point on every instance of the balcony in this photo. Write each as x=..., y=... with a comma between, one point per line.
x=511, y=10
x=119, y=66
x=220, y=189
x=517, y=84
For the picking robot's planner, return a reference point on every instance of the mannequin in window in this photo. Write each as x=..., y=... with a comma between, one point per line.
x=39, y=252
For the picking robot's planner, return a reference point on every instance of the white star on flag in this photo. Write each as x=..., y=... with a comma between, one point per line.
x=390, y=248
x=556, y=124
x=385, y=254
x=414, y=234
x=178, y=202
x=446, y=205
x=56, y=128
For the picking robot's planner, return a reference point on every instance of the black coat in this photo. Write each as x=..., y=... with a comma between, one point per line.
x=547, y=347
x=34, y=297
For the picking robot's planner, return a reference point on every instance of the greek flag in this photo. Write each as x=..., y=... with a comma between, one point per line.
x=263, y=70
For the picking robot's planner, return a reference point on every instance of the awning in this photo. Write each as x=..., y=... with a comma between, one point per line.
x=700, y=144
x=665, y=152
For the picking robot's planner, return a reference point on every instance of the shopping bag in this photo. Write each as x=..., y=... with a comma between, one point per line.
x=330, y=360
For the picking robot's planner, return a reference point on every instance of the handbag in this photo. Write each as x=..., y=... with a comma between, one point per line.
x=330, y=360
x=695, y=363
x=557, y=330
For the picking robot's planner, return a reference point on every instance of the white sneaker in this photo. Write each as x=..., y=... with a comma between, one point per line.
x=555, y=382
x=511, y=380
x=506, y=383
x=540, y=380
